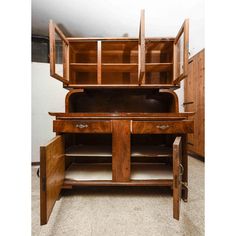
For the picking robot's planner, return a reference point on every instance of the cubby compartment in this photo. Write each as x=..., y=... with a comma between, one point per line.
x=88, y=157
x=152, y=156
x=119, y=52
x=159, y=62
x=119, y=62
x=83, y=62
x=83, y=52
x=159, y=51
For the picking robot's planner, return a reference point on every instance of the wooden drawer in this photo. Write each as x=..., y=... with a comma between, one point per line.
x=81, y=126
x=162, y=127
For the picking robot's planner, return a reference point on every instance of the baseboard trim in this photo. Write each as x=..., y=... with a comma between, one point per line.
x=35, y=163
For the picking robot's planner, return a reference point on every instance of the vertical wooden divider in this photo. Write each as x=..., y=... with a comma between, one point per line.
x=99, y=62
x=141, y=50
x=121, y=150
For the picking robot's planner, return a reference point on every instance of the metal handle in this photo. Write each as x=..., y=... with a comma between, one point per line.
x=162, y=127
x=81, y=126
x=181, y=169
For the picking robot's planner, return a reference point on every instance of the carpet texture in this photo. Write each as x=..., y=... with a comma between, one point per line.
x=126, y=211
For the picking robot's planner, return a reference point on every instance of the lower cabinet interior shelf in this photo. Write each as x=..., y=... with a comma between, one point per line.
x=106, y=151
x=103, y=171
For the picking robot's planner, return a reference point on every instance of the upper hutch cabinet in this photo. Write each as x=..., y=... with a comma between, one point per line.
x=120, y=62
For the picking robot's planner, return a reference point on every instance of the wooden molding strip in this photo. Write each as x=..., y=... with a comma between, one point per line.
x=99, y=62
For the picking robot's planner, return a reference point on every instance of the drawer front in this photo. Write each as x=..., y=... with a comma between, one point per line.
x=81, y=126
x=162, y=127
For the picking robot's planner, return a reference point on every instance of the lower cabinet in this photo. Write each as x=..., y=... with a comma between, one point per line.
x=116, y=157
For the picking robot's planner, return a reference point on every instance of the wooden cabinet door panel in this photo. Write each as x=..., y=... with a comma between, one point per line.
x=54, y=32
x=177, y=176
x=194, y=102
x=52, y=171
x=181, y=47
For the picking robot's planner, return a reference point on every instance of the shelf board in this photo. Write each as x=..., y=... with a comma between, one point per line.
x=119, y=67
x=68, y=183
x=103, y=172
x=150, y=151
x=84, y=67
x=106, y=151
x=122, y=115
x=80, y=39
x=158, y=67
x=118, y=86
x=89, y=151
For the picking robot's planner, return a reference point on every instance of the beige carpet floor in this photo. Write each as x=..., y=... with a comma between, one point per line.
x=123, y=211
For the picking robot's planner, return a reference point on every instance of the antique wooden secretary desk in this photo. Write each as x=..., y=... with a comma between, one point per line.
x=121, y=125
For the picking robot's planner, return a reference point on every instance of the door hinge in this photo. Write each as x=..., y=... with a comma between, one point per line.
x=44, y=184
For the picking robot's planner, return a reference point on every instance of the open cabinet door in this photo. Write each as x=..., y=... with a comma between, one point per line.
x=141, y=50
x=52, y=172
x=56, y=36
x=177, y=176
x=180, y=53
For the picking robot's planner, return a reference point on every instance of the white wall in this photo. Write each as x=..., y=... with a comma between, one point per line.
x=115, y=18
x=47, y=95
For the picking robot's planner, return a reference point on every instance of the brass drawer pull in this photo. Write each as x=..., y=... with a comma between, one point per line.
x=162, y=127
x=81, y=126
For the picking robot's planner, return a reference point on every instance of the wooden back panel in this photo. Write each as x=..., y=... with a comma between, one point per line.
x=121, y=100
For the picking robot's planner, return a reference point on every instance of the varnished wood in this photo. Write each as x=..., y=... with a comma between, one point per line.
x=84, y=39
x=121, y=110
x=141, y=69
x=161, y=182
x=162, y=127
x=52, y=47
x=184, y=30
x=133, y=116
x=194, y=102
x=118, y=86
x=177, y=154
x=77, y=126
x=123, y=101
x=99, y=62
x=185, y=167
x=52, y=167
x=127, y=62
x=84, y=67
x=106, y=151
x=158, y=67
x=121, y=151
x=120, y=67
